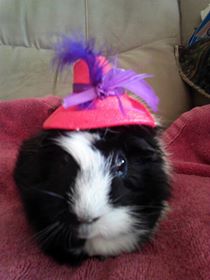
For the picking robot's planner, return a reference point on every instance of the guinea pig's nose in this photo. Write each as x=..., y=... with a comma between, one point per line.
x=88, y=220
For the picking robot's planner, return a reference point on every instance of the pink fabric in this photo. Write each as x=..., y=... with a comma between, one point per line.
x=73, y=119
x=180, y=249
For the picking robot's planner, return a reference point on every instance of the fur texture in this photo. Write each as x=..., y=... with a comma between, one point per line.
x=93, y=193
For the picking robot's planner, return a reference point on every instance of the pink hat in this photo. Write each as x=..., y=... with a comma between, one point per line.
x=99, y=97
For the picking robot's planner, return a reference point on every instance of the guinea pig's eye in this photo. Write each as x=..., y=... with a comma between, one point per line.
x=119, y=164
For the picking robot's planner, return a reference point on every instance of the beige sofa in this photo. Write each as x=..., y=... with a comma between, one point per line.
x=143, y=32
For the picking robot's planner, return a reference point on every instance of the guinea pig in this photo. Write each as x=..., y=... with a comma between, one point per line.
x=98, y=192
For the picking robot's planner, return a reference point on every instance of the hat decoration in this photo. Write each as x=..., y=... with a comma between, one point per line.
x=99, y=97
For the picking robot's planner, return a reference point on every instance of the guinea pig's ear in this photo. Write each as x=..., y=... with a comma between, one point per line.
x=28, y=175
x=143, y=144
x=27, y=169
x=145, y=148
x=145, y=140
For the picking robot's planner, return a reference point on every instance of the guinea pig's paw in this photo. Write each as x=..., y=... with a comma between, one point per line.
x=100, y=246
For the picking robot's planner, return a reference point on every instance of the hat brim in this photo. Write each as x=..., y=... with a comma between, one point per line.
x=103, y=113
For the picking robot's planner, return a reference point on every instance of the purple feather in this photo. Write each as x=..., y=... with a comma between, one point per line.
x=115, y=82
x=69, y=50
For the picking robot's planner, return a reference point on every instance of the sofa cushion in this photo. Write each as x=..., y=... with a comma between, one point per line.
x=157, y=58
x=122, y=24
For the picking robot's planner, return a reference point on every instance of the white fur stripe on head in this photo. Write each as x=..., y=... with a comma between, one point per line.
x=92, y=184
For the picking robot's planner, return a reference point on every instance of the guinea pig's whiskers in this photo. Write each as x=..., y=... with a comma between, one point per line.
x=70, y=197
x=140, y=226
x=117, y=199
x=59, y=213
x=142, y=207
x=44, y=231
x=52, y=194
x=67, y=235
x=49, y=193
x=152, y=211
x=51, y=235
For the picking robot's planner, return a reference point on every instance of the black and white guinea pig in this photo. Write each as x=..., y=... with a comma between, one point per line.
x=95, y=192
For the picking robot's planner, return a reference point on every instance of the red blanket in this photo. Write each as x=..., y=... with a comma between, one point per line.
x=181, y=247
